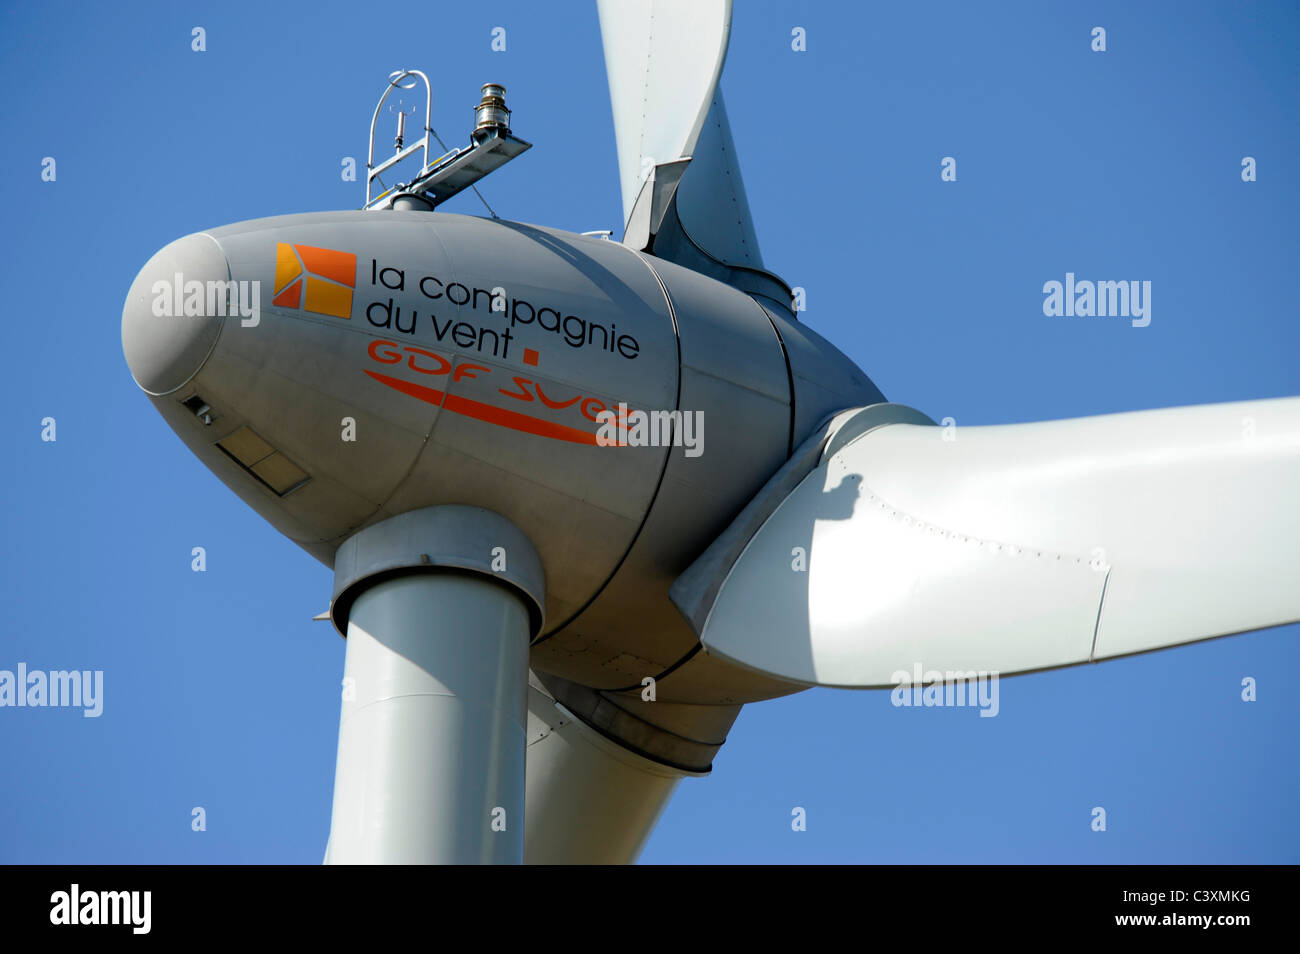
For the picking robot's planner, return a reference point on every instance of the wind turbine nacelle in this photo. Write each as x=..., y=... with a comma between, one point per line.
x=335, y=369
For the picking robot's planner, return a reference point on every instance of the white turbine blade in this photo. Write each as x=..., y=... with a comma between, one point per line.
x=711, y=200
x=663, y=59
x=1021, y=547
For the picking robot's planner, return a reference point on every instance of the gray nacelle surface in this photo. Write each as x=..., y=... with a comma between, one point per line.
x=351, y=366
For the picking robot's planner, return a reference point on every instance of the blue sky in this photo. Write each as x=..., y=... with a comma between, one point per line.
x=219, y=690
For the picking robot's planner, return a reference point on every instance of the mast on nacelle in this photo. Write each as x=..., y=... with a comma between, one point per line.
x=491, y=146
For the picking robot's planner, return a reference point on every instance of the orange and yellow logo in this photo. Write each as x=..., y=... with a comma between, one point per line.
x=318, y=280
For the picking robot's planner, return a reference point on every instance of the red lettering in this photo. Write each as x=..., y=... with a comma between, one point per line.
x=555, y=405
x=443, y=364
x=522, y=384
x=467, y=371
x=391, y=357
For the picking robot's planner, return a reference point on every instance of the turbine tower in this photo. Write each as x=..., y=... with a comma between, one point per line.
x=558, y=586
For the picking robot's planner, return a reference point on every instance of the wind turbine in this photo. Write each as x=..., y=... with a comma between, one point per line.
x=546, y=631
